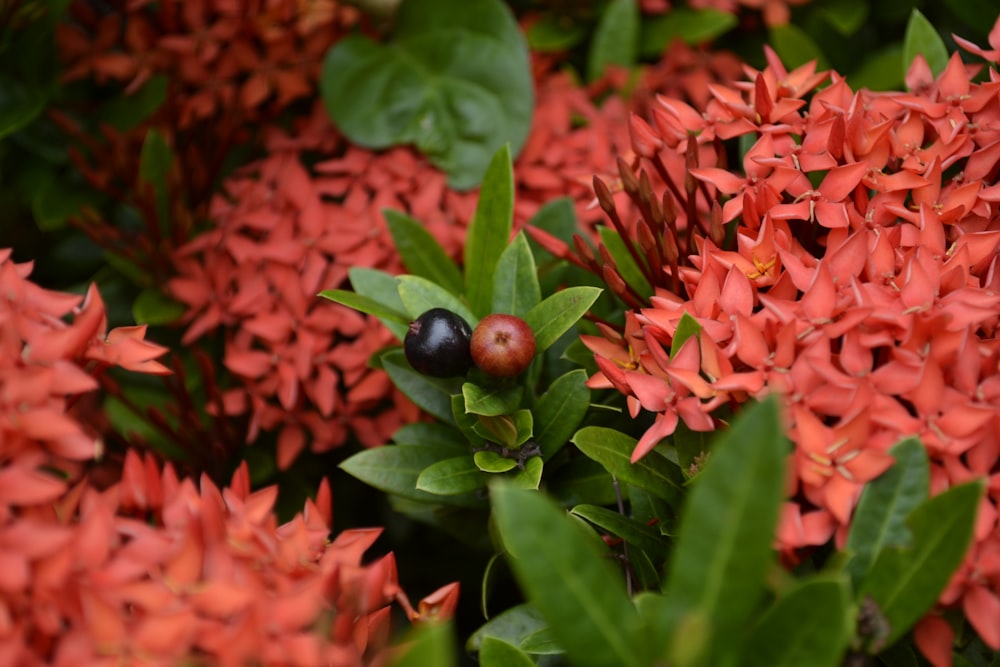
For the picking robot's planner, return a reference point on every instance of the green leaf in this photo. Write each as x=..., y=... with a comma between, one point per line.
x=846, y=16
x=626, y=264
x=396, y=468
x=420, y=295
x=395, y=321
x=530, y=477
x=55, y=199
x=559, y=411
x=555, y=315
x=427, y=644
x=686, y=327
x=616, y=39
x=582, y=480
x=557, y=217
x=613, y=450
x=796, y=47
x=127, y=111
x=500, y=429
x=154, y=307
x=637, y=534
x=421, y=253
x=378, y=286
x=430, y=394
x=454, y=80
x=554, y=33
x=979, y=15
x=489, y=231
x=923, y=39
x=879, y=70
x=879, y=520
x=495, y=652
x=512, y=626
x=451, y=477
x=693, y=26
x=492, y=462
x=433, y=434
x=573, y=584
x=515, y=279
x=905, y=582
x=808, y=626
x=491, y=401
x=542, y=642
x=19, y=105
x=717, y=571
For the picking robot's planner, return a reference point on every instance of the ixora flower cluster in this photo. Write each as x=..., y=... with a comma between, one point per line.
x=850, y=266
x=155, y=569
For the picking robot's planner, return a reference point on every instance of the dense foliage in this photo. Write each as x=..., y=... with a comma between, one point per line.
x=740, y=405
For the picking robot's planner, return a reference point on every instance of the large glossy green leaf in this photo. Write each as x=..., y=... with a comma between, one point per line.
x=573, y=584
x=420, y=295
x=421, y=253
x=559, y=411
x=515, y=280
x=807, y=627
x=725, y=537
x=879, y=520
x=554, y=316
x=377, y=285
x=432, y=434
x=430, y=394
x=427, y=644
x=692, y=26
x=454, y=80
x=512, y=626
x=395, y=468
x=616, y=39
x=905, y=582
x=613, y=450
x=637, y=534
x=922, y=38
x=489, y=231
x=495, y=652
x=452, y=477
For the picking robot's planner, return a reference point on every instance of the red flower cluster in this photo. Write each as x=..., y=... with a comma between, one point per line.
x=232, y=57
x=860, y=279
x=157, y=571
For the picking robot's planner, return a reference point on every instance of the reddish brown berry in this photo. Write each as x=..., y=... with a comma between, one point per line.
x=502, y=345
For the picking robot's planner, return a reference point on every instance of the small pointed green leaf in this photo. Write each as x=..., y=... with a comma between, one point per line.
x=430, y=394
x=489, y=231
x=879, y=520
x=796, y=47
x=451, y=477
x=613, y=450
x=686, y=327
x=573, y=584
x=491, y=401
x=515, y=281
x=616, y=39
x=725, y=536
x=421, y=253
x=554, y=316
x=923, y=39
x=807, y=626
x=154, y=307
x=531, y=476
x=846, y=16
x=395, y=468
x=626, y=264
x=559, y=411
x=495, y=652
x=378, y=286
x=420, y=295
x=637, y=534
x=492, y=462
x=905, y=582
x=396, y=322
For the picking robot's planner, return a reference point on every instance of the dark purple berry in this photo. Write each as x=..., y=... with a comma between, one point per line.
x=502, y=345
x=437, y=344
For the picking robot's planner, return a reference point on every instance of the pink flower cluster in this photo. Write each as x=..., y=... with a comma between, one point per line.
x=850, y=264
